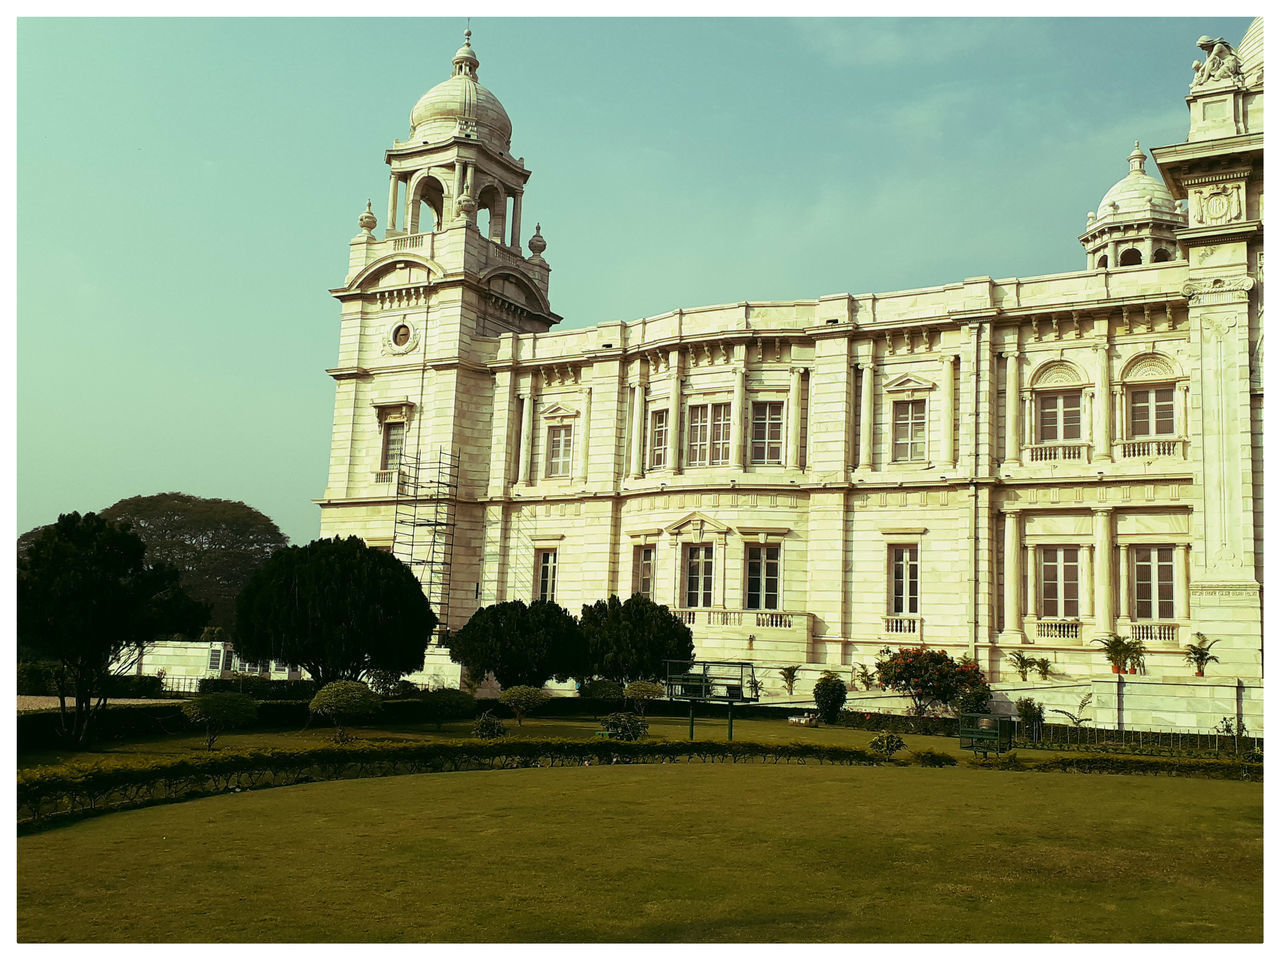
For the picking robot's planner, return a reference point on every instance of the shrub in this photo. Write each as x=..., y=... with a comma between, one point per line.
x=345, y=702
x=134, y=687
x=829, y=694
x=384, y=682
x=1031, y=713
x=521, y=700
x=789, y=675
x=601, y=689
x=886, y=744
x=488, y=727
x=640, y=692
x=36, y=678
x=217, y=712
x=932, y=758
x=931, y=677
x=625, y=726
x=260, y=688
x=443, y=706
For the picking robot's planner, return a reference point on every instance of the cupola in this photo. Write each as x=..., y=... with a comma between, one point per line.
x=1135, y=221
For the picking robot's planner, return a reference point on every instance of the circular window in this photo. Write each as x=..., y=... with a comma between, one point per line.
x=400, y=335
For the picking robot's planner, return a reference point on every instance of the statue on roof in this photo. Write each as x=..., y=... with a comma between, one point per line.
x=1220, y=64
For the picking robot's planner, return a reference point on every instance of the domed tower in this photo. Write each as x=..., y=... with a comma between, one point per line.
x=1135, y=221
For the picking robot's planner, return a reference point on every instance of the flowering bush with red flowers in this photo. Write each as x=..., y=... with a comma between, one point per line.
x=932, y=678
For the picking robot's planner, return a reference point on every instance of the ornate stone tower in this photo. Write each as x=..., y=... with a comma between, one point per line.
x=1135, y=221
x=422, y=312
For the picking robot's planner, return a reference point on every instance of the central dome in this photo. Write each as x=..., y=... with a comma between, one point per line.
x=460, y=106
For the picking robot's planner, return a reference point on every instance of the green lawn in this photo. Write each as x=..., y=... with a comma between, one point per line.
x=679, y=852
x=671, y=728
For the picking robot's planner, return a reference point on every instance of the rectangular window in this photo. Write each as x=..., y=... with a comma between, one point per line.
x=643, y=584
x=698, y=576
x=762, y=577
x=657, y=439
x=392, y=444
x=1060, y=582
x=720, y=432
x=905, y=560
x=766, y=432
x=1059, y=416
x=1153, y=583
x=908, y=430
x=699, y=435
x=1151, y=412
x=547, y=575
x=560, y=451
x=215, y=659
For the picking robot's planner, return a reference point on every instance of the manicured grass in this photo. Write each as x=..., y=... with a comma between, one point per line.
x=676, y=852
x=577, y=728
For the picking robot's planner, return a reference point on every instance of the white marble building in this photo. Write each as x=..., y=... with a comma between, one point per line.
x=982, y=466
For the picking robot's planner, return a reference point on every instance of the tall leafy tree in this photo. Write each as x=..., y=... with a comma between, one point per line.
x=631, y=640
x=214, y=544
x=520, y=644
x=338, y=608
x=89, y=601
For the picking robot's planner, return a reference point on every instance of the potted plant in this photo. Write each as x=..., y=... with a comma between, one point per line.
x=1021, y=662
x=1198, y=655
x=1135, y=655
x=1115, y=648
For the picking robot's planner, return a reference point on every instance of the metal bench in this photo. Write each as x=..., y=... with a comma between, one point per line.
x=979, y=732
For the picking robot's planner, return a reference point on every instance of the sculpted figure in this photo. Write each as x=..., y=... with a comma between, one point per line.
x=1220, y=64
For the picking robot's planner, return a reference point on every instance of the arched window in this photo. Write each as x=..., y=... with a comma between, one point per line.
x=1058, y=390
x=426, y=206
x=1154, y=411
x=1102, y=262
x=1162, y=256
x=490, y=214
x=1131, y=257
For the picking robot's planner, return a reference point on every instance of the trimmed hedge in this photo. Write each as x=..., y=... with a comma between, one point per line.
x=50, y=794
x=260, y=688
x=893, y=723
x=35, y=679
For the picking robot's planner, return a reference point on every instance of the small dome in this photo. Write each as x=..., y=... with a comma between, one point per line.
x=1250, y=50
x=460, y=105
x=1137, y=194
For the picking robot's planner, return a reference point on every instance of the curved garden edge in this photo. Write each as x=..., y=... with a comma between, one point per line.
x=48, y=796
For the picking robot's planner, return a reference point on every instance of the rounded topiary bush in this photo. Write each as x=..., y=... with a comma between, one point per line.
x=345, y=702
x=217, y=712
x=829, y=694
x=886, y=744
x=625, y=726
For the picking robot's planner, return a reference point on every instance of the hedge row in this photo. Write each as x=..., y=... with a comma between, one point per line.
x=1203, y=767
x=54, y=792
x=36, y=679
x=893, y=723
x=260, y=688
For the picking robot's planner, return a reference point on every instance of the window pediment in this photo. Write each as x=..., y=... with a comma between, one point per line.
x=1057, y=374
x=908, y=383
x=399, y=410
x=696, y=526
x=558, y=413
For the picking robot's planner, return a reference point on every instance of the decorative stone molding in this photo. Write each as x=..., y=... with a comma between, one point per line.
x=1149, y=367
x=557, y=413
x=1057, y=373
x=399, y=410
x=402, y=336
x=1218, y=290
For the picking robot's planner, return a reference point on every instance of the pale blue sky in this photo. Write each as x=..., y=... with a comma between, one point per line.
x=187, y=189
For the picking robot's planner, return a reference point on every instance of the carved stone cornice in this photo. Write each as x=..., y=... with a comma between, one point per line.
x=1218, y=290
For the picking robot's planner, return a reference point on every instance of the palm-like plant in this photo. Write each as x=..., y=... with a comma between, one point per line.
x=788, y=675
x=1135, y=654
x=1115, y=648
x=1021, y=662
x=1198, y=655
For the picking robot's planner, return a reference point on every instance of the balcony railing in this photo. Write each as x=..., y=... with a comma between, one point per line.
x=899, y=625
x=1057, y=629
x=1147, y=449
x=1041, y=452
x=384, y=476
x=1150, y=632
x=714, y=617
x=410, y=242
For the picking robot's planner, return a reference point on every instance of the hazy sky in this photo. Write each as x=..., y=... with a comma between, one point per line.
x=187, y=190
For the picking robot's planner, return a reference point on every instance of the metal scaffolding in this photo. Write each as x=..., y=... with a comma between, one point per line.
x=426, y=499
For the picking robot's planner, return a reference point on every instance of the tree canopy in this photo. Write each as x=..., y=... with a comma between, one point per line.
x=214, y=544
x=338, y=608
x=931, y=677
x=631, y=640
x=520, y=644
x=89, y=601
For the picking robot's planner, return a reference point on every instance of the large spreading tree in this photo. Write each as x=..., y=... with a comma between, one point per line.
x=520, y=644
x=338, y=608
x=632, y=640
x=90, y=602
x=214, y=544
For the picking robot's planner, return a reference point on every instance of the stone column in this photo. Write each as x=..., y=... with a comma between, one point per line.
x=637, y=429
x=393, y=204
x=1086, y=581
x=737, y=415
x=1103, y=594
x=584, y=438
x=1182, y=428
x=673, y=432
x=867, y=415
x=793, y=420
x=1102, y=405
x=720, y=571
x=1181, y=587
x=515, y=221
x=525, y=474
x=1119, y=428
x=676, y=576
x=948, y=410
x=1125, y=611
x=1012, y=390
x=1028, y=426
x=1012, y=632
x=1033, y=593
